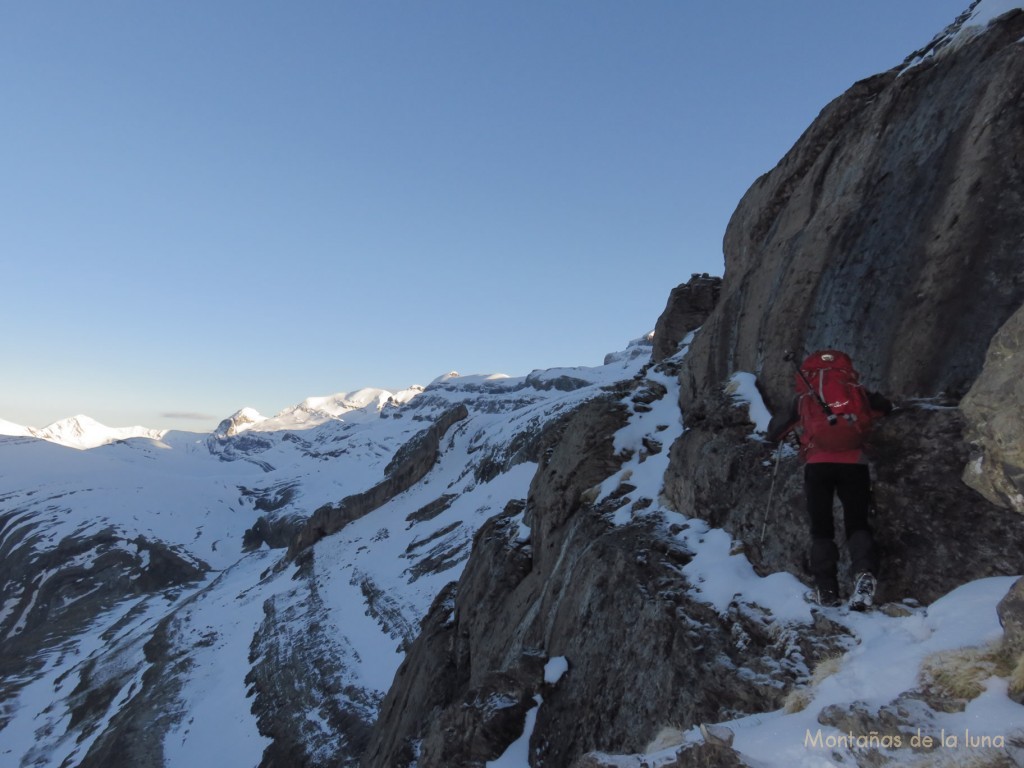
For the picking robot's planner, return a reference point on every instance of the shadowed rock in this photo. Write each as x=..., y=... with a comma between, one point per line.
x=995, y=420
x=410, y=465
x=689, y=305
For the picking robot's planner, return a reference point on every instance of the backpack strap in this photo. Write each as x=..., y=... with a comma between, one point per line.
x=817, y=395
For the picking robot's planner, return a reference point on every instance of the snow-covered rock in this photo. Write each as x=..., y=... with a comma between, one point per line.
x=238, y=422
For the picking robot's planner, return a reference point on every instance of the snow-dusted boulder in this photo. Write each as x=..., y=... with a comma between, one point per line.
x=995, y=419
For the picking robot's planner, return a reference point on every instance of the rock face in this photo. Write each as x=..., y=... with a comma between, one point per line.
x=688, y=307
x=480, y=641
x=893, y=230
x=59, y=592
x=995, y=421
x=1011, y=616
x=297, y=670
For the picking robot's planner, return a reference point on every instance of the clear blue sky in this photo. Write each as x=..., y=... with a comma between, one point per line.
x=208, y=205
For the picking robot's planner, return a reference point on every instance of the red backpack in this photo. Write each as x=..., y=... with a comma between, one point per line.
x=834, y=408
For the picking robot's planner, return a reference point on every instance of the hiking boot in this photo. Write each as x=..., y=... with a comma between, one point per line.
x=863, y=596
x=825, y=597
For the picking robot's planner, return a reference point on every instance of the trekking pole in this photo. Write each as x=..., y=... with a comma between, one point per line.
x=771, y=492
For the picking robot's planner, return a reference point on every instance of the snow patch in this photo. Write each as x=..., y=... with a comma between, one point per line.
x=518, y=753
x=742, y=387
x=988, y=10
x=968, y=25
x=555, y=668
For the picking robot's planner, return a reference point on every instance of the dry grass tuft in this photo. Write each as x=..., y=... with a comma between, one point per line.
x=961, y=673
x=590, y=495
x=799, y=698
x=668, y=736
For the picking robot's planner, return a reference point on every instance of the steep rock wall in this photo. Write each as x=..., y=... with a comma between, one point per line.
x=894, y=229
x=688, y=307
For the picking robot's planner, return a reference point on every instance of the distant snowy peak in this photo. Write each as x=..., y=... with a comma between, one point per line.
x=84, y=432
x=343, y=402
x=81, y=432
x=457, y=379
x=363, y=405
x=238, y=422
x=334, y=406
x=445, y=377
x=347, y=406
x=637, y=348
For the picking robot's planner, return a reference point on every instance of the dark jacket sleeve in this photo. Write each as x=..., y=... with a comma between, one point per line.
x=783, y=422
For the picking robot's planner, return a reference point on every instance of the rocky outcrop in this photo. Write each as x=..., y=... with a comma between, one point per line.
x=995, y=419
x=689, y=305
x=1011, y=616
x=298, y=669
x=135, y=733
x=408, y=466
x=461, y=653
x=67, y=584
x=237, y=423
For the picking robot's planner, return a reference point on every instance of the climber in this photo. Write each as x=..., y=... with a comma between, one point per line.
x=833, y=414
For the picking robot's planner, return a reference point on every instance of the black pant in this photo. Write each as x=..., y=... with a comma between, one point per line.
x=852, y=483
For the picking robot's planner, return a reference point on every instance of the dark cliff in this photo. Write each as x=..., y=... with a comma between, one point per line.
x=894, y=229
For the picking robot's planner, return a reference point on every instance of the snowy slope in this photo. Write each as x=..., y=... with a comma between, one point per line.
x=15, y=430
x=137, y=544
